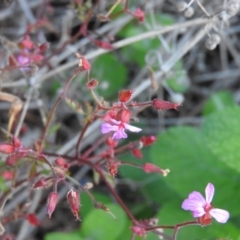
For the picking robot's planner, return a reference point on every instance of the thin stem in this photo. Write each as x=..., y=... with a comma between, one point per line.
x=119, y=200
x=59, y=99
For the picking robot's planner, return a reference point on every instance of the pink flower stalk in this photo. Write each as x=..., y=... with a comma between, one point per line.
x=202, y=209
x=118, y=127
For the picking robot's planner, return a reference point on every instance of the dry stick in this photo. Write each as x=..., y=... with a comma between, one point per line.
x=59, y=99
x=123, y=43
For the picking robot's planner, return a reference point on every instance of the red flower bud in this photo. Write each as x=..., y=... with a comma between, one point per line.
x=111, y=142
x=103, y=44
x=138, y=231
x=6, y=148
x=83, y=62
x=113, y=167
x=40, y=183
x=124, y=95
x=12, y=159
x=148, y=140
x=92, y=83
x=139, y=14
x=73, y=201
x=151, y=168
x=32, y=219
x=26, y=43
x=164, y=105
x=60, y=162
x=16, y=142
x=51, y=203
x=137, y=153
x=8, y=175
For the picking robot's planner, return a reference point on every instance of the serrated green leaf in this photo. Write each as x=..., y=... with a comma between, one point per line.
x=111, y=74
x=218, y=102
x=62, y=236
x=99, y=225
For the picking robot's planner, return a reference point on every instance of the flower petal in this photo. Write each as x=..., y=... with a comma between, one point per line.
x=115, y=122
x=194, y=202
x=219, y=214
x=119, y=134
x=106, y=128
x=198, y=213
x=209, y=191
x=132, y=128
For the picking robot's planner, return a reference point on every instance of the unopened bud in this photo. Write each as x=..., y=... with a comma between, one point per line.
x=189, y=12
x=6, y=148
x=139, y=14
x=148, y=140
x=137, y=153
x=60, y=162
x=124, y=95
x=103, y=44
x=181, y=6
x=40, y=183
x=159, y=104
x=73, y=201
x=51, y=203
x=151, y=168
x=139, y=231
x=83, y=62
x=216, y=38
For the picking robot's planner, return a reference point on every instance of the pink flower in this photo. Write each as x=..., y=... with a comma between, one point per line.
x=202, y=209
x=118, y=127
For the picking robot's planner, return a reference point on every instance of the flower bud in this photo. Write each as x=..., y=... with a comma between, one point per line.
x=124, y=115
x=103, y=44
x=51, y=203
x=232, y=7
x=6, y=148
x=139, y=231
x=210, y=44
x=189, y=12
x=164, y=105
x=111, y=142
x=113, y=167
x=124, y=95
x=151, y=168
x=7, y=175
x=73, y=201
x=60, y=162
x=32, y=219
x=16, y=142
x=137, y=153
x=40, y=183
x=139, y=14
x=83, y=62
x=148, y=140
x=181, y=6
x=215, y=38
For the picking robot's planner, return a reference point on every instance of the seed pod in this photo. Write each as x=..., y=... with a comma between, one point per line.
x=181, y=6
x=189, y=12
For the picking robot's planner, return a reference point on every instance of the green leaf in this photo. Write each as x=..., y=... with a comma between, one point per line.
x=218, y=102
x=222, y=136
x=186, y=153
x=99, y=225
x=62, y=236
x=111, y=74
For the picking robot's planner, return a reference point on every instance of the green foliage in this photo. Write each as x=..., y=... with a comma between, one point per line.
x=218, y=102
x=99, y=224
x=111, y=73
x=197, y=157
x=63, y=236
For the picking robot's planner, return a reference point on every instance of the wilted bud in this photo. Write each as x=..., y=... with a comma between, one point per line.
x=113, y=167
x=181, y=6
x=137, y=153
x=92, y=83
x=6, y=148
x=51, y=203
x=16, y=142
x=164, y=105
x=43, y=47
x=148, y=140
x=189, y=12
x=139, y=14
x=73, y=201
x=151, y=168
x=124, y=95
x=83, y=62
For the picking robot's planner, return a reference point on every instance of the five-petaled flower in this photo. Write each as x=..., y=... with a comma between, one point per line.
x=202, y=209
x=119, y=128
